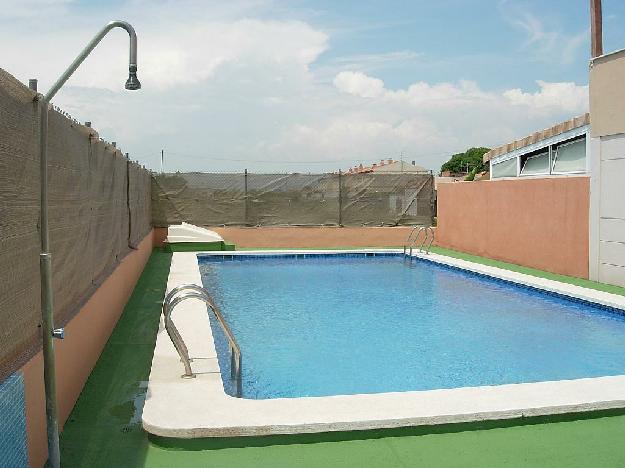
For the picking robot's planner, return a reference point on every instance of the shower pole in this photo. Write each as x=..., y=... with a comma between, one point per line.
x=45, y=257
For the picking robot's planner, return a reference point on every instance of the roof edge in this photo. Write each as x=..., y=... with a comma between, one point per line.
x=536, y=137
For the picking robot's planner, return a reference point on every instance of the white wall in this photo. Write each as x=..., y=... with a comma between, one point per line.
x=607, y=183
x=607, y=209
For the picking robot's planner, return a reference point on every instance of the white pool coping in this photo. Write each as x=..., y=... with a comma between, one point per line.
x=199, y=407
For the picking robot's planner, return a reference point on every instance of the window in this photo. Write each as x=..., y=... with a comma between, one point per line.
x=570, y=157
x=505, y=168
x=560, y=157
x=536, y=164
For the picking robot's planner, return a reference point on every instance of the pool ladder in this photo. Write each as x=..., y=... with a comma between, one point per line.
x=415, y=235
x=193, y=291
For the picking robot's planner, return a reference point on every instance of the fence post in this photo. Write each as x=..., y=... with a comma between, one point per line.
x=340, y=199
x=129, y=239
x=246, y=221
x=432, y=197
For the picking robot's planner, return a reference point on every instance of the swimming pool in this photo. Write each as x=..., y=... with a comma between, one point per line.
x=394, y=390
x=319, y=325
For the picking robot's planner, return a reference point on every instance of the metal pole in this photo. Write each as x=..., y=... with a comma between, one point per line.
x=340, y=199
x=45, y=257
x=162, y=159
x=47, y=308
x=129, y=239
x=245, y=220
x=132, y=82
x=596, y=29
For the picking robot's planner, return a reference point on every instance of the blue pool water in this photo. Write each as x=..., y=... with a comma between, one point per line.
x=343, y=325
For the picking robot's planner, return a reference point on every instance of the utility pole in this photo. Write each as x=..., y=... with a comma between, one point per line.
x=596, y=29
x=162, y=159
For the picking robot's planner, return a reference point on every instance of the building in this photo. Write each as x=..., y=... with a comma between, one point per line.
x=556, y=151
x=389, y=166
x=555, y=198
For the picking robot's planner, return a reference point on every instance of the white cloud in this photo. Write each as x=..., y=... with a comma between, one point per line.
x=194, y=52
x=17, y=9
x=424, y=120
x=561, y=96
x=179, y=43
x=439, y=94
x=546, y=43
x=359, y=84
x=555, y=97
x=224, y=87
x=551, y=45
x=369, y=62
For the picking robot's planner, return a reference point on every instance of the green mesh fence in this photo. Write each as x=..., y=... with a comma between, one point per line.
x=246, y=199
x=99, y=209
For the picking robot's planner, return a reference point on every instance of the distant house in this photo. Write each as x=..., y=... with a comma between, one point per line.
x=388, y=166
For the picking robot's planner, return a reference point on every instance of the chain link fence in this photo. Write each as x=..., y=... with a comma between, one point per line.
x=249, y=199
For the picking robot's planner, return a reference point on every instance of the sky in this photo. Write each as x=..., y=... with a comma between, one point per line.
x=311, y=86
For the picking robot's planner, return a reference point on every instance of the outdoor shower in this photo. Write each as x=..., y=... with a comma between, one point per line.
x=45, y=258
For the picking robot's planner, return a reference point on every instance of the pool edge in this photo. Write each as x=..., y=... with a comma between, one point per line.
x=218, y=422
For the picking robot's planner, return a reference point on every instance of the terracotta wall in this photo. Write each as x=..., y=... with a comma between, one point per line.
x=76, y=355
x=316, y=237
x=540, y=223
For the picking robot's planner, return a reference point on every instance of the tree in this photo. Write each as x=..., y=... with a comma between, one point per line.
x=469, y=161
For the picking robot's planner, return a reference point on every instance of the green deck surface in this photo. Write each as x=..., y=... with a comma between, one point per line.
x=104, y=429
x=531, y=271
x=198, y=246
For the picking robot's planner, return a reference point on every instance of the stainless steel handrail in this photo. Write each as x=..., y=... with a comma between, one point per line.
x=430, y=231
x=193, y=291
x=413, y=238
x=409, y=240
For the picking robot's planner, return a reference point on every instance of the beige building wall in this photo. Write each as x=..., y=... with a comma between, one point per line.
x=607, y=94
x=607, y=159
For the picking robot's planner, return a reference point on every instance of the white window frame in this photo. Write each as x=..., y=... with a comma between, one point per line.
x=553, y=163
x=548, y=144
x=538, y=174
x=500, y=160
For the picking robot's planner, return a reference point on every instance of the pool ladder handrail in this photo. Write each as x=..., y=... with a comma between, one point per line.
x=193, y=291
x=413, y=238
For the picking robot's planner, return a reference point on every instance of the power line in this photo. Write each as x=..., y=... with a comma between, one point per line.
x=284, y=161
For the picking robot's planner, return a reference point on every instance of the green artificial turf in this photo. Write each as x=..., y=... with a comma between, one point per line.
x=531, y=271
x=198, y=246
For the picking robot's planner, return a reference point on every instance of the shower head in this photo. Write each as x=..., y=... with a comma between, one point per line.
x=132, y=83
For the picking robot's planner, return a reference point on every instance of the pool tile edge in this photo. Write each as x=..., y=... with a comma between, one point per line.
x=199, y=407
